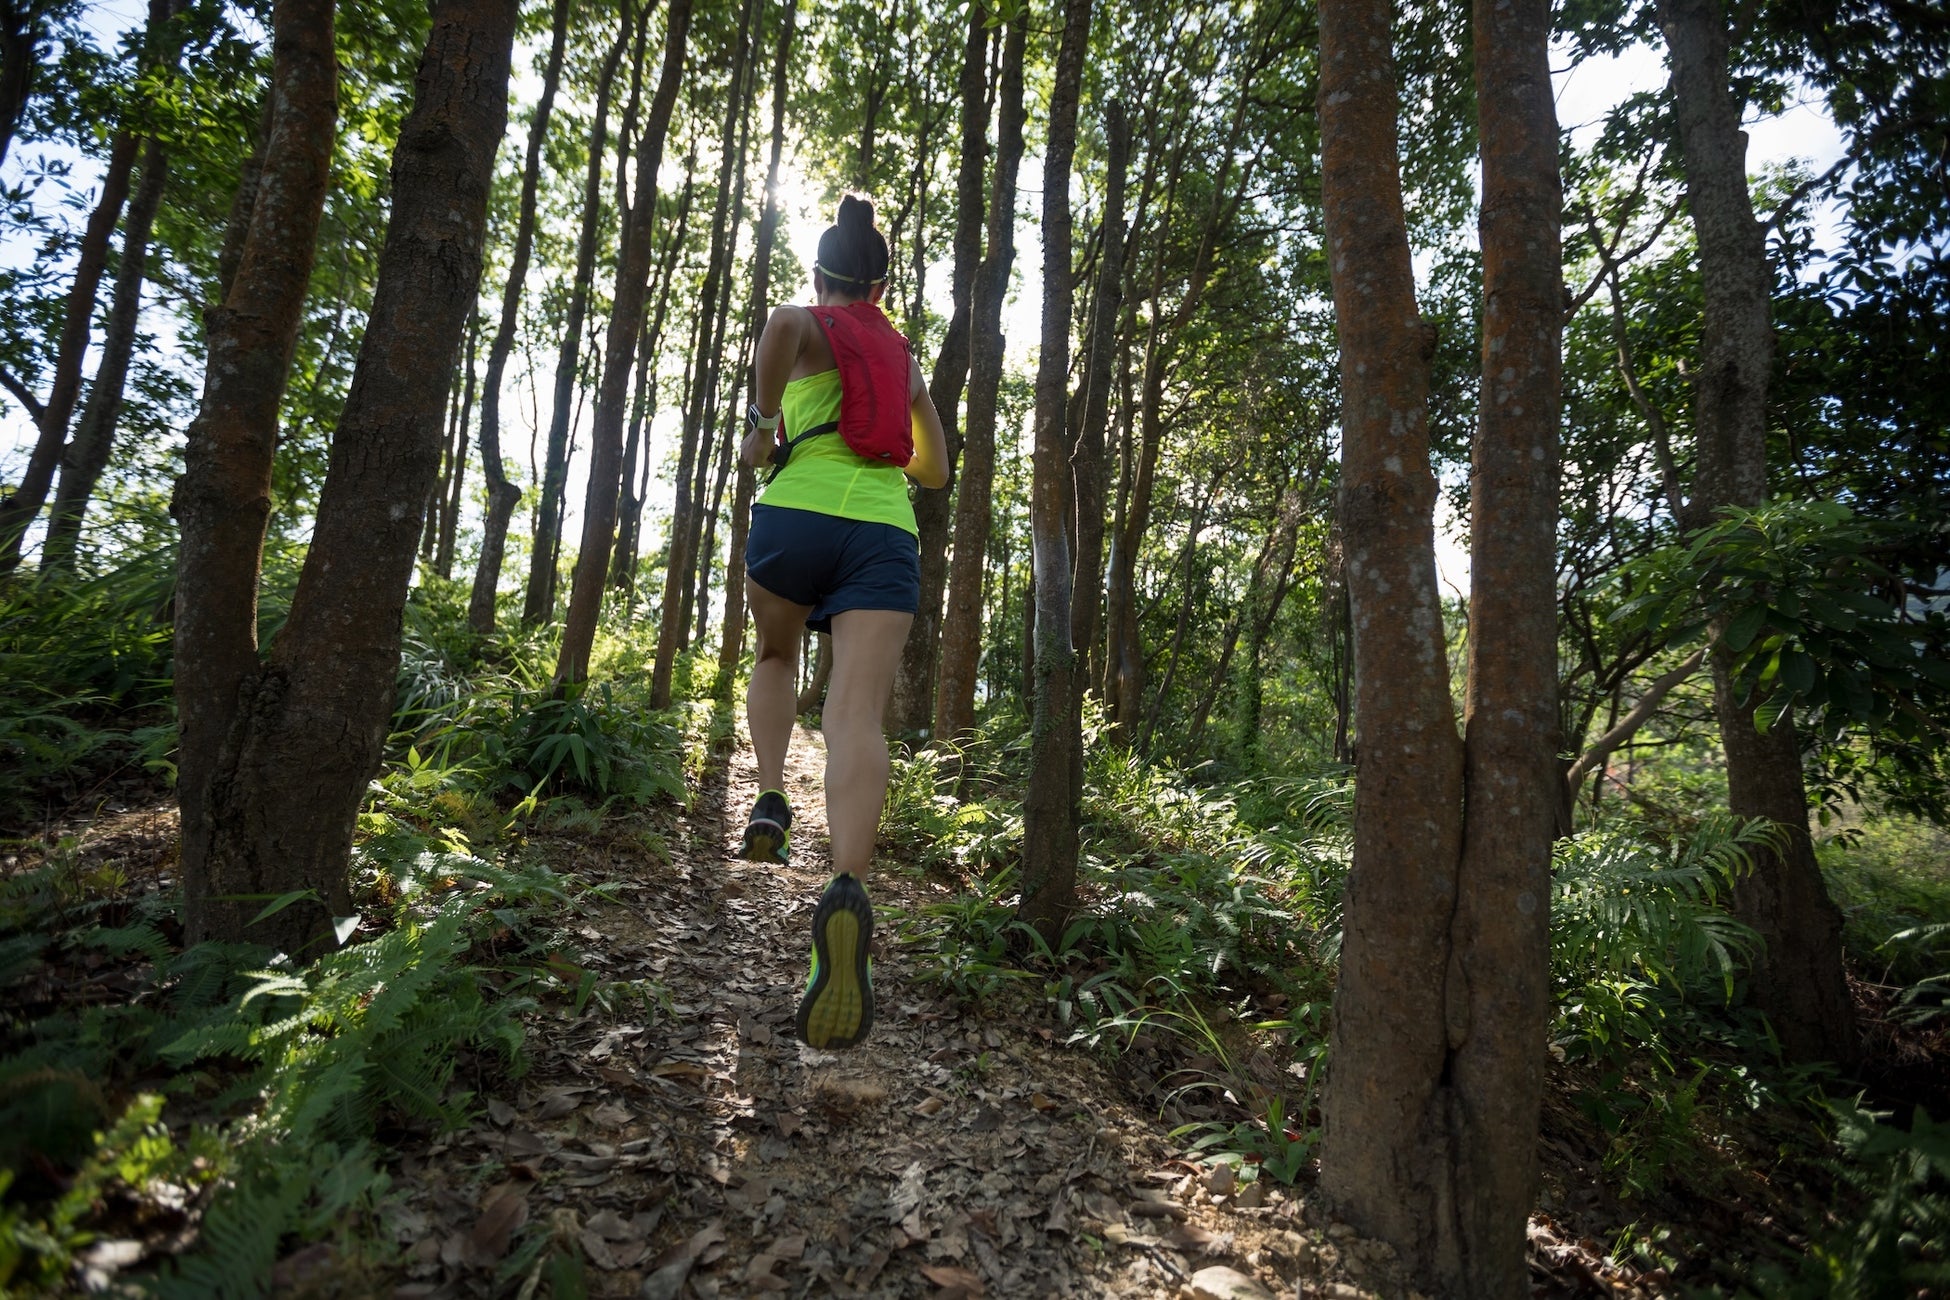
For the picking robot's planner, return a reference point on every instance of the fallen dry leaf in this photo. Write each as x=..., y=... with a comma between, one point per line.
x=676, y=1264
x=954, y=1282
x=496, y=1227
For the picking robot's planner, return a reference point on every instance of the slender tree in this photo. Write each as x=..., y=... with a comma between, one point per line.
x=87, y=452
x=502, y=495
x=1049, y=854
x=19, y=510
x=701, y=397
x=731, y=644
x=961, y=629
x=538, y=601
x=1799, y=980
x=612, y=400
x=457, y=459
x=934, y=512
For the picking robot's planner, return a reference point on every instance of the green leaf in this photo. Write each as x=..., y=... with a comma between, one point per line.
x=1744, y=627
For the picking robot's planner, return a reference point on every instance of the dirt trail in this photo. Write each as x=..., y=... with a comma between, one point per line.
x=706, y=1152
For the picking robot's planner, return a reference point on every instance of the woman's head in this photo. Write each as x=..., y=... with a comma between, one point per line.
x=852, y=254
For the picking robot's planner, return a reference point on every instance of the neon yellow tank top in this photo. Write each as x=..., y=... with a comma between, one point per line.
x=827, y=476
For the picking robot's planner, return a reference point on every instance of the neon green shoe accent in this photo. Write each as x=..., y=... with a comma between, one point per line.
x=837, y=1009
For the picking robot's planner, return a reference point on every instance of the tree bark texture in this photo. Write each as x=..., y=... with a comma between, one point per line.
x=961, y=629
x=731, y=644
x=1498, y=991
x=223, y=499
x=87, y=452
x=311, y=724
x=19, y=510
x=1387, y=1154
x=612, y=400
x=538, y=599
x=502, y=495
x=1799, y=980
x=1442, y=1002
x=934, y=511
x=1049, y=854
x=677, y=595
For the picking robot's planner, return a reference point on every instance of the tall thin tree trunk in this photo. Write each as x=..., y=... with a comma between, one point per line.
x=612, y=402
x=19, y=510
x=1799, y=980
x=1050, y=817
x=703, y=522
x=20, y=54
x=443, y=554
x=310, y=725
x=223, y=499
x=1087, y=463
x=934, y=511
x=961, y=630
x=701, y=401
x=87, y=452
x=502, y=495
x=731, y=644
x=538, y=600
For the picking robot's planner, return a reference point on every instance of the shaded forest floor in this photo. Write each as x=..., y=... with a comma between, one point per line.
x=685, y=1144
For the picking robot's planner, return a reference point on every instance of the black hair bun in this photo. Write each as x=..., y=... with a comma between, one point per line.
x=855, y=213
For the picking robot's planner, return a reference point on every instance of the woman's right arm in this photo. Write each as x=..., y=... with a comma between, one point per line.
x=778, y=352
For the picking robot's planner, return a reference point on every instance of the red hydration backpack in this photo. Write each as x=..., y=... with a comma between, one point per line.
x=873, y=359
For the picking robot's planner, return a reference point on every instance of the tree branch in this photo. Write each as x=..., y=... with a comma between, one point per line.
x=1628, y=725
x=22, y=394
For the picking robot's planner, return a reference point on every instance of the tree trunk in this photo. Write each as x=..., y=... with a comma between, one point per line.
x=675, y=613
x=813, y=696
x=914, y=682
x=612, y=401
x=731, y=644
x=1087, y=462
x=502, y=495
x=94, y=437
x=622, y=570
x=1498, y=991
x=1439, y=1015
x=1186, y=603
x=19, y=510
x=443, y=553
x=20, y=55
x=223, y=499
x=961, y=629
x=1799, y=980
x=538, y=600
x=700, y=550
x=1050, y=818
x=310, y=725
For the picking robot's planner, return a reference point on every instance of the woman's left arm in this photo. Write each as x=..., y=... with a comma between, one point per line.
x=778, y=351
x=929, y=467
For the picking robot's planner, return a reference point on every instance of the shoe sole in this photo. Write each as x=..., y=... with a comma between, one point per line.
x=837, y=1011
x=765, y=841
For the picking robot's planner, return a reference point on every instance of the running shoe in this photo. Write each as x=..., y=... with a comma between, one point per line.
x=766, y=834
x=837, y=1010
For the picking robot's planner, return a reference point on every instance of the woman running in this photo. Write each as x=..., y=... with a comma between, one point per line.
x=844, y=420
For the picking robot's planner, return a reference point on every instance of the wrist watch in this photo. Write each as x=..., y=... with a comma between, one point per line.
x=759, y=420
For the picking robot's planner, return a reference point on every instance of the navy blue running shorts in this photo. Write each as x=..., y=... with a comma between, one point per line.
x=833, y=564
